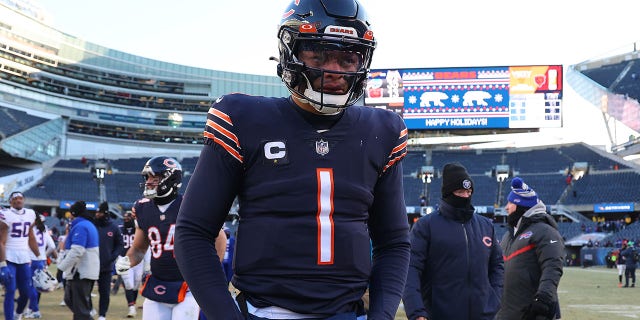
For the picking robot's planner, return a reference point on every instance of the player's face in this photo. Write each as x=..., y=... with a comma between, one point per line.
x=463, y=193
x=328, y=66
x=152, y=182
x=510, y=207
x=17, y=202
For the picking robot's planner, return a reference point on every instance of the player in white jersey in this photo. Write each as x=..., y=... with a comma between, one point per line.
x=46, y=247
x=16, y=242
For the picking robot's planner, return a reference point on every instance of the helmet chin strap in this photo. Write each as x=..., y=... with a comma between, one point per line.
x=333, y=99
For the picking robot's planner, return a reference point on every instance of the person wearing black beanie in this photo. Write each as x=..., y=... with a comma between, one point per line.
x=457, y=186
x=79, y=209
x=447, y=248
x=111, y=245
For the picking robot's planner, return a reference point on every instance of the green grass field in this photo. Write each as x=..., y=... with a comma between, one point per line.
x=585, y=294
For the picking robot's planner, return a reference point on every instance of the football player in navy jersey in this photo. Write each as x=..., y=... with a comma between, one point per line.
x=317, y=179
x=133, y=278
x=167, y=295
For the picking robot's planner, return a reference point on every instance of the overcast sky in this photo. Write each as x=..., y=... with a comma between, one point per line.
x=241, y=35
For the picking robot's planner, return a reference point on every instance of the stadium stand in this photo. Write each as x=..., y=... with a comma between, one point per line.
x=14, y=121
x=620, y=186
x=6, y=170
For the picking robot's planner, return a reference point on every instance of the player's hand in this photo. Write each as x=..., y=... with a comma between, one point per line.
x=37, y=264
x=540, y=308
x=5, y=275
x=123, y=265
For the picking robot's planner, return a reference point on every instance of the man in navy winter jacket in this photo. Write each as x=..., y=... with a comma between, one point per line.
x=630, y=261
x=111, y=245
x=456, y=267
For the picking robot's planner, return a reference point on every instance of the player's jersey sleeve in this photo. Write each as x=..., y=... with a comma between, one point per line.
x=217, y=174
x=220, y=130
x=399, y=150
x=135, y=210
x=389, y=229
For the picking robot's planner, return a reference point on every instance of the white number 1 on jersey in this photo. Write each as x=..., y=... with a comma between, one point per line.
x=325, y=215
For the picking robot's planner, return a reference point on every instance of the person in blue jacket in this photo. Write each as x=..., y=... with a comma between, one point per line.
x=456, y=268
x=81, y=262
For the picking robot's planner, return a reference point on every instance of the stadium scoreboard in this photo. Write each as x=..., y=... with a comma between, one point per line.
x=470, y=97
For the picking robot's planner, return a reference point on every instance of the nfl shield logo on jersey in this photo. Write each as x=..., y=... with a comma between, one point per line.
x=322, y=147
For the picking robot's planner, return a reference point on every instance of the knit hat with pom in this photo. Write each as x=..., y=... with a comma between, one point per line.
x=521, y=194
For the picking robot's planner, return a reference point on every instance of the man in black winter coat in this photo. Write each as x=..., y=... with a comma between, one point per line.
x=533, y=258
x=629, y=256
x=111, y=245
x=456, y=268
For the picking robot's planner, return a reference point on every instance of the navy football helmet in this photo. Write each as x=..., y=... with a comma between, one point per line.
x=169, y=171
x=328, y=30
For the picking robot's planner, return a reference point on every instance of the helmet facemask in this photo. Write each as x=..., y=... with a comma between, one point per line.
x=326, y=70
x=162, y=179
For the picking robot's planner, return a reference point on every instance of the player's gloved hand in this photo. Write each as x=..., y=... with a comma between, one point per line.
x=540, y=309
x=37, y=264
x=123, y=265
x=5, y=275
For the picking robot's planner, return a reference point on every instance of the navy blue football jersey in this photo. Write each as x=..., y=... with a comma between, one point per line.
x=311, y=202
x=160, y=230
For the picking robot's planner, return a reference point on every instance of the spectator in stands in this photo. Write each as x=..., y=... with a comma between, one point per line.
x=454, y=257
x=630, y=257
x=81, y=262
x=110, y=248
x=534, y=255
